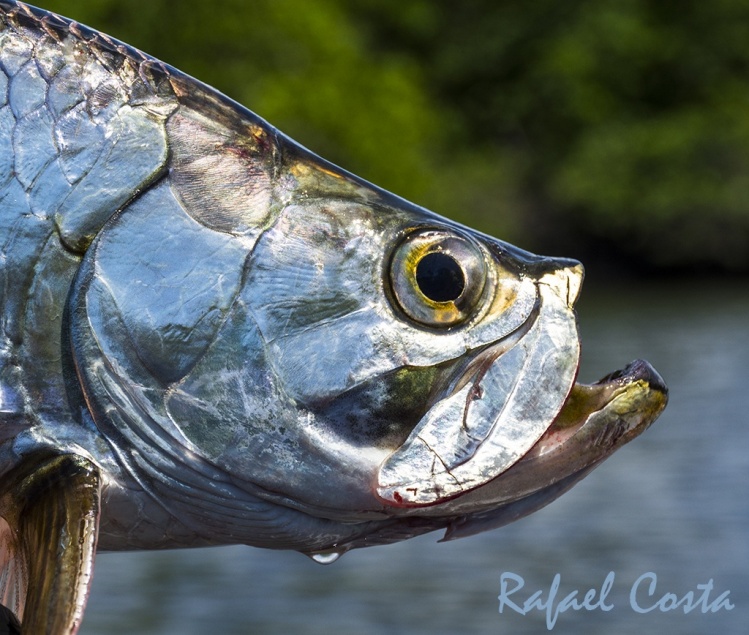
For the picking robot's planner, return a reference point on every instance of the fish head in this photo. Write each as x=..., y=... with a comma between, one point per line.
x=324, y=345
x=444, y=352
x=431, y=357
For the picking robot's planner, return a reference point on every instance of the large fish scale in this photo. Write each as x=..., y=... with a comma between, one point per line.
x=68, y=128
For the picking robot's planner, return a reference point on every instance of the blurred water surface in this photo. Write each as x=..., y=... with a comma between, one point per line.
x=674, y=502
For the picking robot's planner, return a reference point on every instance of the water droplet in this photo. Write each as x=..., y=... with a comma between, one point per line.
x=327, y=557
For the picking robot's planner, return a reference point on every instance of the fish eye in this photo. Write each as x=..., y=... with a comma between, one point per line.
x=437, y=277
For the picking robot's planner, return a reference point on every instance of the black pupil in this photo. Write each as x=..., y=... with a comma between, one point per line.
x=439, y=277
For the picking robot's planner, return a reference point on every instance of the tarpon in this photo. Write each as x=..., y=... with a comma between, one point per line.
x=209, y=335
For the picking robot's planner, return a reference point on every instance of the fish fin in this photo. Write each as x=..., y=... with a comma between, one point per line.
x=12, y=574
x=48, y=541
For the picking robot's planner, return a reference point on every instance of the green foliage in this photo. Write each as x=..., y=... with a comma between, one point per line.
x=608, y=128
x=628, y=118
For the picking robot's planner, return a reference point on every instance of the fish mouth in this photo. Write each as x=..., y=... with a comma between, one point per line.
x=594, y=421
x=598, y=418
x=512, y=420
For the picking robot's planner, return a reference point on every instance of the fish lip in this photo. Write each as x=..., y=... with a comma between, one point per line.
x=639, y=369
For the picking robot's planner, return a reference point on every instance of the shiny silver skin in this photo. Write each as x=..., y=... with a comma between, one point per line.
x=210, y=314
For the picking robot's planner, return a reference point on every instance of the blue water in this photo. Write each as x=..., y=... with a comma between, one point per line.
x=674, y=502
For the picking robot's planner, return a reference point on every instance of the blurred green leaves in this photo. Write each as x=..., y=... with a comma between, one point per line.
x=610, y=129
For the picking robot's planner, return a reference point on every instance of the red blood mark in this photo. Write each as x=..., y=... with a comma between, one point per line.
x=398, y=498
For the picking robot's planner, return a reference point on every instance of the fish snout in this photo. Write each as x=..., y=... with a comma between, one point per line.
x=565, y=277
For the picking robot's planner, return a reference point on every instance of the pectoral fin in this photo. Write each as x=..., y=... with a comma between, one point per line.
x=50, y=507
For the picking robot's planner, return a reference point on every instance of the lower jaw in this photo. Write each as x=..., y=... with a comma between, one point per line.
x=595, y=421
x=598, y=418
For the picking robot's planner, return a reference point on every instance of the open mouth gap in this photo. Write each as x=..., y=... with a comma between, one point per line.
x=603, y=405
